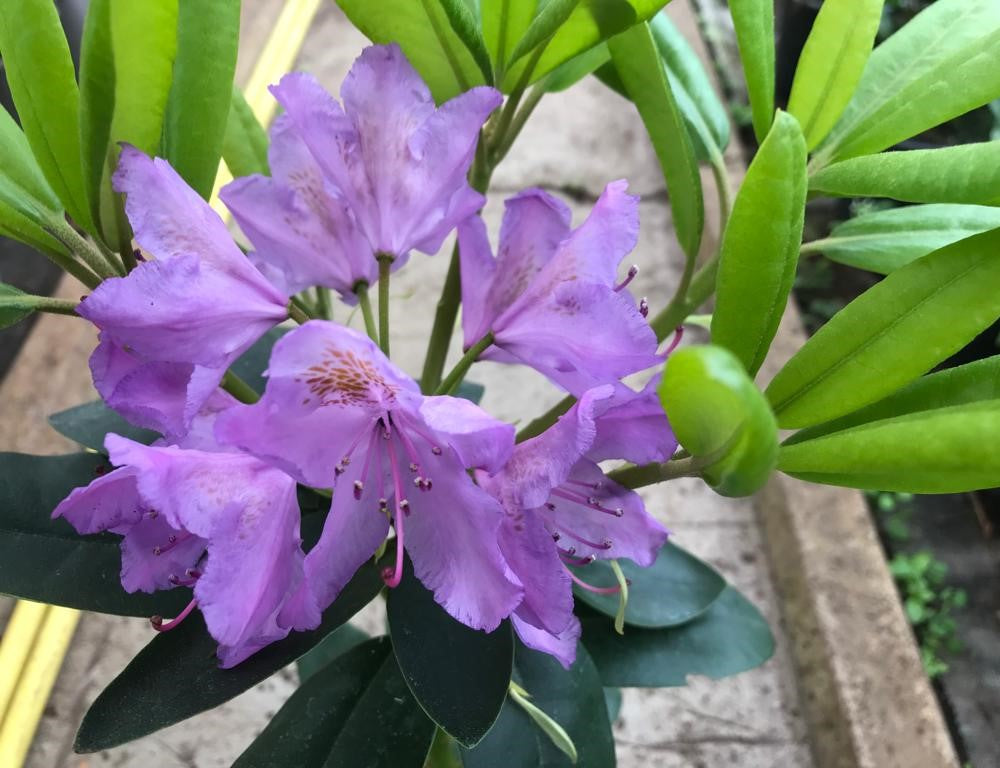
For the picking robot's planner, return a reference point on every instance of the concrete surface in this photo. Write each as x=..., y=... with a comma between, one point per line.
x=580, y=140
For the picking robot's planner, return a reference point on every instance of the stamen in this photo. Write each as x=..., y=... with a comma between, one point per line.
x=402, y=421
x=570, y=560
x=137, y=254
x=644, y=307
x=159, y=626
x=678, y=335
x=606, y=544
x=191, y=575
x=392, y=578
x=591, y=502
x=591, y=588
x=435, y=450
x=632, y=272
x=383, y=505
x=359, y=485
x=172, y=541
x=359, y=488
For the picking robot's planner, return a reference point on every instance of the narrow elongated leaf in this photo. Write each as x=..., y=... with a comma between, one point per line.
x=573, y=698
x=831, y=64
x=892, y=333
x=335, y=645
x=570, y=72
x=674, y=589
x=97, y=98
x=468, y=28
x=90, y=423
x=760, y=248
x=208, y=36
x=12, y=309
x=504, y=23
x=884, y=241
x=729, y=638
x=459, y=675
x=638, y=62
x=245, y=145
x=144, y=41
x=969, y=173
x=939, y=66
x=42, y=81
x=46, y=560
x=961, y=385
x=754, y=23
x=423, y=29
x=358, y=705
x=177, y=675
x=942, y=450
x=18, y=164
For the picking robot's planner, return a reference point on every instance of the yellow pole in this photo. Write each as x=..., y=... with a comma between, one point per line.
x=18, y=637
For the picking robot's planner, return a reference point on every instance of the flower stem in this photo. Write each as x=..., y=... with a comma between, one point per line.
x=298, y=311
x=444, y=324
x=81, y=247
x=323, y=305
x=454, y=378
x=384, y=265
x=55, y=306
x=650, y=474
x=546, y=420
x=365, y=302
x=239, y=389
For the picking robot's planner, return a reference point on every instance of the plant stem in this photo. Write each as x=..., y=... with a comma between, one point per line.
x=123, y=233
x=517, y=124
x=721, y=175
x=546, y=420
x=444, y=324
x=650, y=474
x=81, y=248
x=384, y=265
x=239, y=389
x=298, y=311
x=702, y=286
x=365, y=302
x=55, y=306
x=323, y=304
x=454, y=378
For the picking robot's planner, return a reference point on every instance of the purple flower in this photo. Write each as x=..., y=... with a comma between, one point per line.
x=171, y=328
x=397, y=162
x=561, y=510
x=337, y=414
x=226, y=524
x=550, y=297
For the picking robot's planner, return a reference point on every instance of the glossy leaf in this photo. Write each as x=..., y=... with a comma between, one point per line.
x=423, y=29
x=504, y=23
x=358, y=705
x=42, y=81
x=754, y=24
x=760, y=247
x=459, y=675
x=961, y=385
x=570, y=72
x=640, y=68
x=940, y=65
x=729, y=638
x=97, y=99
x=942, y=450
x=208, y=36
x=90, y=423
x=968, y=173
x=46, y=560
x=831, y=64
x=335, y=645
x=246, y=142
x=573, y=698
x=177, y=675
x=720, y=416
x=674, y=589
x=884, y=241
x=894, y=332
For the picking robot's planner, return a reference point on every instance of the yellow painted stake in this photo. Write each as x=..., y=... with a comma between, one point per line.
x=18, y=638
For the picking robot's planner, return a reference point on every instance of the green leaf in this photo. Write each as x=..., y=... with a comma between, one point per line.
x=468, y=28
x=831, y=64
x=640, y=68
x=424, y=31
x=563, y=29
x=613, y=700
x=573, y=698
x=43, y=84
x=177, y=675
x=674, y=589
x=939, y=66
x=12, y=309
x=754, y=24
x=729, y=638
x=897, y=330
x=884, y=241
x=89, y=424
x=504, y=23
x=459, y=675
x=335, y=645
x=760, y=247
x=97, y=99
x=968, y=173
x=570, y=72
x=246, y=142
x=46, y=560
x=144, y=41
x=19, y=166
x=250, y=366
x=208, y=36
x=961, y=385
x=719, y=415
x=942, y=450
x=358, y=705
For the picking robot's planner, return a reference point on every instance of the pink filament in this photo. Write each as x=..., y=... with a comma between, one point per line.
x=591, y=588
x=159, y=626
x=393, y=579
x=678, y=335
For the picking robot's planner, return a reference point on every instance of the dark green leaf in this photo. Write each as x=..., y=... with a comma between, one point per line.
x=88, y=424
x=943, y=450
x=891, y=334
x=245, y=145
x=471, y=391
x=177, y=675
x=674, y=589
x=754, y=24
x=333, y=647
x=42, y=81
x=964, y=174
x=760, y=247
x=884, y=241
x=97, y=98
x=573, y=698
x=613, y=700
x=465, y=24
x=459, y=675
x=12, y=311
x=640, y=68
x=251, y=365
x=357, y=706
x=208, y=35
x=46, y=560
x=731, y=637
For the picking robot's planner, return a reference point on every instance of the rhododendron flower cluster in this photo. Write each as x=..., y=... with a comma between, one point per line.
x=496, y=529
